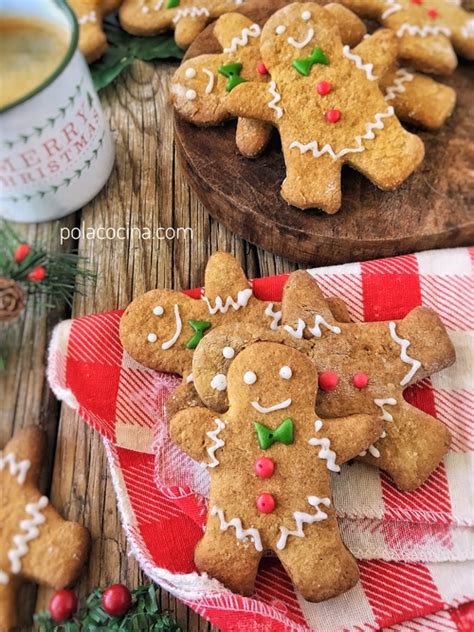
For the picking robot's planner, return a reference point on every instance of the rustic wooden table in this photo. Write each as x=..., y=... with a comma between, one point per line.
x=146, y=189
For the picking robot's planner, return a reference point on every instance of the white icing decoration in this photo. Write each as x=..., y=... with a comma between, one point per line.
x=285, y=372
x=393, y=7
x=402, y=76
x=391, y=401
x=250, y=377
x=325, y=453
x=275, y=316
x=4, y=579
x=242, y=299
x=145, y=9
x=298, y=332
x=191, y=12
x=210, y=83
x=152, y=337
x=243, y=39
x=372, y=450
x=31, y=532
x=270, y=409
x=158, y=310
x=467, y=30
x=303, y=43
x=236, y=523
x=190, y=379
x=302, y=518
x=190, y=73
x=306, y=15
x=17, y=469
x=367, y=68
x=318, y=321
x=219, y=382
x=404, y=357
x=272, y=89
x=228, y=353
x=218, y=443
x=424, y=31
x=88, y=17
x=190, y=94
x=169, y=343
x=313, y=146
x=280, y=29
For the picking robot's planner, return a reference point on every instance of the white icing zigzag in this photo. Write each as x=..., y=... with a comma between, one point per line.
x=17, y=469
x=275, y=316
x=393, y=7
x=325, y=452
x=190, y=12
x=218, y=443
x=404, y=357
x=304, y=518
x=423, y=31
x=367, y=68
x=402, y=76
x=316, y=330
x=243, y=298
x=4, y=579
x=276, y=99
x=327, y=149
x=236, y=523
x=88, y=17
x=31, y=531
x=243, y=38
x=391, y=401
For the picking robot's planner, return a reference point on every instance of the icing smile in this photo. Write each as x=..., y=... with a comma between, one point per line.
x=303, y=43
x=262, y=409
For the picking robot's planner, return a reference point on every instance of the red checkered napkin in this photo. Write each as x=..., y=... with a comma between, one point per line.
x=161, y=492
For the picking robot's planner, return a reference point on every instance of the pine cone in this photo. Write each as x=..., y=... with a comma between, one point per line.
x=12, y=299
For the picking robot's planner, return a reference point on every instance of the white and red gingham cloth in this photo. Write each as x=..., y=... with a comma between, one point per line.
x=415, y=549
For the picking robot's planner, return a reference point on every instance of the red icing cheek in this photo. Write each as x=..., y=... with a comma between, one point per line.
x=323, y=88
x=332, y=116
x=264, y=467
x=328, y=380
x=360, y=379
x=433, y=13
x=265, y=503
x=261, y=68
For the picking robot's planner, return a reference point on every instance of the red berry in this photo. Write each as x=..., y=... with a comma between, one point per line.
x=360, y=379
x=323, y=87
x=116, y=600
x=38, y=274
x=332, y=116
x=264, y=467
x=261, y=68
x=21, y=252
x=63, y=605
x=265, y=503
x=328, y=380
x=433, y=13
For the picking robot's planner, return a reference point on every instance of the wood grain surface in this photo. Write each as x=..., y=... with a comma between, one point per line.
x=432, y=209
x=147, y=189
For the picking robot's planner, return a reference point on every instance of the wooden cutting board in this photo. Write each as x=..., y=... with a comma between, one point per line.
x=433, y=209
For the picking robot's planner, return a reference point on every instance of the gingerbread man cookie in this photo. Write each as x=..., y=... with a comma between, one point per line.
x=269, y=458
x=89, y=14
x=200, y=87
x=363, y=367
x=36, y=543
x=325, y=101
x=429, y=31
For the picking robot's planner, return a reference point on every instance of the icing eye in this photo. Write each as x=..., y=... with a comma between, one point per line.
x=286, y=372
x=191, y=94
x=190, y=73
x=306, y=15
x=250, y=377
x=280, y=29
x=152, y=337
x=158, y=310
x=219, y=382
x=228, y=353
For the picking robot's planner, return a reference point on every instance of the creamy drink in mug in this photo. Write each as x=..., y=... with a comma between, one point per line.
x=56, y=151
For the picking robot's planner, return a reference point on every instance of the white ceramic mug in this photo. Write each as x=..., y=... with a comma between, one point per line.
x=56, y=150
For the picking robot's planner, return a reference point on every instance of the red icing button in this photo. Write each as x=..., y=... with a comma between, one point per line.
x=332, y=116
x=265, y=503
x=360, y=379
x=264, y=467
x=261, y=68
x=323, y=87
x=433, y=13
x=417, y=1
x=328, y=380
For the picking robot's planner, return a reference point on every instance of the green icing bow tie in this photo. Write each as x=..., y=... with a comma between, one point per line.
x=303, y=66
x=281, y=434
x=232, y=72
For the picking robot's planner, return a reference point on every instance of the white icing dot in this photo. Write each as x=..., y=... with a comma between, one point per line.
x=250, y=377
x=280, y=29
x=191, y=94
x=219, y=382
x=306, y=15
x=158, y=310
x=228, y=353
x=152, y=338
x=145, y=9
x=190, y=73
x=286, y=372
